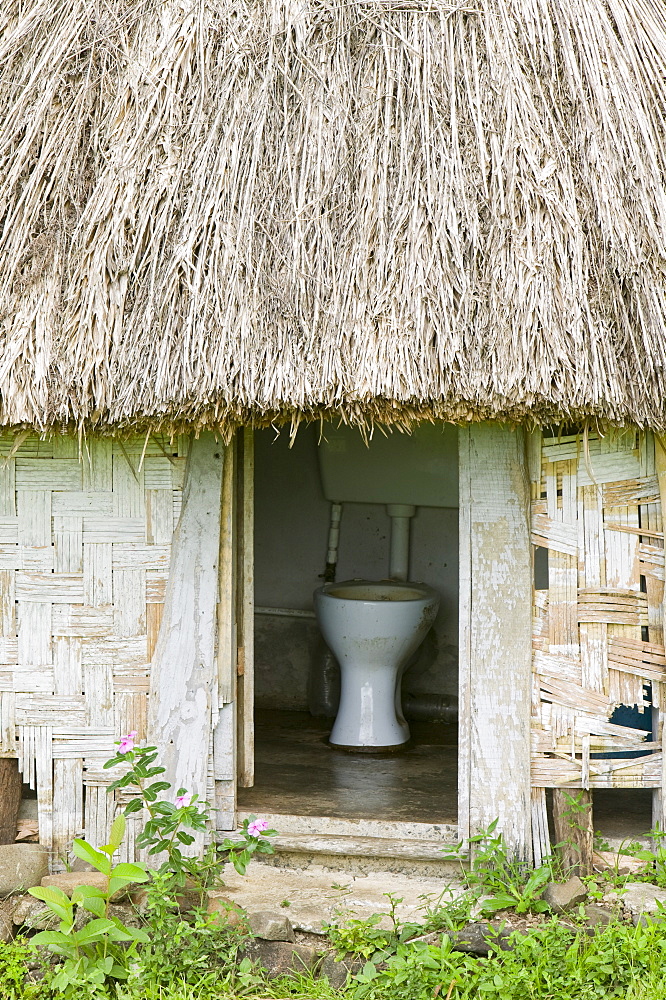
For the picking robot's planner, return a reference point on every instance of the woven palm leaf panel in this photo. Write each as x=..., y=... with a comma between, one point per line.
x=598, y=639
x=85, y=539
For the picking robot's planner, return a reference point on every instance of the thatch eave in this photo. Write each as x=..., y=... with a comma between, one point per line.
x=267, y=211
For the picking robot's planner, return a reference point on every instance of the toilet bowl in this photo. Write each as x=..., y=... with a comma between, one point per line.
x=373, y=629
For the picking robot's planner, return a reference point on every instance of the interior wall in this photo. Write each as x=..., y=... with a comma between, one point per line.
x=291, y=530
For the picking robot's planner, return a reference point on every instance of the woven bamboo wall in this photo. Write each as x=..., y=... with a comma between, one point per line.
x=598, y=628
x=84, y=555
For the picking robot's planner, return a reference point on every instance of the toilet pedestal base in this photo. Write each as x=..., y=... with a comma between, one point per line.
x=367, y=718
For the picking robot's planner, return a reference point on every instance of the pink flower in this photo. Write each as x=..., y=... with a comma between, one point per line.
x=183, y=801
x=127, y=742
x=256, y=828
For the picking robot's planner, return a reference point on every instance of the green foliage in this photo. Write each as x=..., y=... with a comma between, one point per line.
x=166, y=829
x=654, y=857
x=98, y=954
x=240, y=852
x=499, y=882
x=15, y=983
x=360, y=937
x=552, y=961
x=191, y=949
x=103, y=948
x=167, y=826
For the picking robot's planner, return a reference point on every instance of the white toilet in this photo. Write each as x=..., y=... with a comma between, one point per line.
x=374, y=627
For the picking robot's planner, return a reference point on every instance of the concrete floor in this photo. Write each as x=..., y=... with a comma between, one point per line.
x=298, y=773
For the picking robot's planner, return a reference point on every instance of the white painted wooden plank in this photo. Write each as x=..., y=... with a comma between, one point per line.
x=82, y=620
x=227, y=644
x=56, y=588
x=67, y=665
x=55, y=474
x=224, y=744
x=44, y=775
x=158, y=473
x=34, y=633
x=7, y=722
x=9, y=649
x=34, y=517
x=183, y=668
x=144, y=557
x=35, y=679
x=98, y=687
x=246, y=613
x=128, y=489
x=159, y=517
x=114, y=529
x=9, y=530
x=7, y=603
x=465, y=632
x=121, y=651
x=97, y=574
x=496, y=493
x=609, y=468
x=67, y=805
x=97, y=468
x=7, y=488
x=11, y=557
x=155, y=587
x=129, y=602
x=82, y=504
x=37, y=559
x=51, y=710
x=68, y=544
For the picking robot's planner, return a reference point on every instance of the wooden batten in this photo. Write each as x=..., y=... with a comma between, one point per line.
x=225, y=751
x=183, y=674
x=245, y=609
x=495, y=635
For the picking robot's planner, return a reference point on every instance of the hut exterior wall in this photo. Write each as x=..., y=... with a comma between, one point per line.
x=84, y=556
x=599, y=665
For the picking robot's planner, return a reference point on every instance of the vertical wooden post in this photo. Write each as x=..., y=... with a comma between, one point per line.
x=495, y=635
x=183, y=673
x=10, y=799
x=659, y=715
x=225, y=737
x=574, y=832
x=245, y=610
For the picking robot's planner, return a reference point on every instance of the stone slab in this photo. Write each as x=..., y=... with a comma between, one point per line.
x=22, y=866
x=313, y=896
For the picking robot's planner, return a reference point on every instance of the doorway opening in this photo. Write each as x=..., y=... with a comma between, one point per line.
x=297, y=772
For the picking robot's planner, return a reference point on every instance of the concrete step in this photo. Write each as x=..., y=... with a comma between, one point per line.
x=348, y=845
x=288, y=824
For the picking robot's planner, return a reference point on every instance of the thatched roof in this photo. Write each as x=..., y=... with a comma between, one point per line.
x=212, y=208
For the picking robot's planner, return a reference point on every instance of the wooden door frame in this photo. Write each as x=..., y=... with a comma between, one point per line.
x=495, y=639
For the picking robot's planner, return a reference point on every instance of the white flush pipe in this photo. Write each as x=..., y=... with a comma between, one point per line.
x=400, y=514
x=333, y=542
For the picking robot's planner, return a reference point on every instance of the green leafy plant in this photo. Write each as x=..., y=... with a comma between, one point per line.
x=360, y=937
x=166, y=828
x=192, y=948
x=103, y=948
x=15, y=981
x=101, y=951
x=499, y=882
x=654, y=857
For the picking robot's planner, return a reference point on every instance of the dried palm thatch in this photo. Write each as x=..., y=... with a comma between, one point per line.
x=213, y=211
